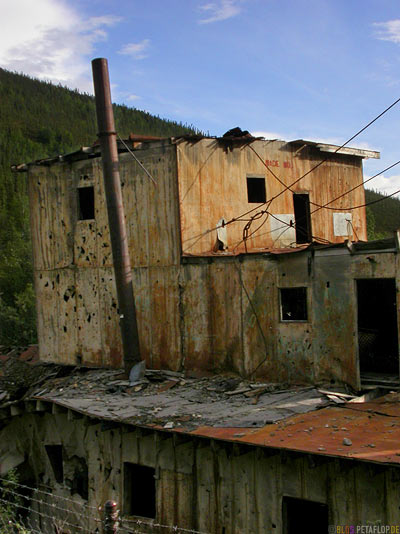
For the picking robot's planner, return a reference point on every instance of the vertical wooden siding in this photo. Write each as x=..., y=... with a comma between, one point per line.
x=212, y=185
x=210, y=486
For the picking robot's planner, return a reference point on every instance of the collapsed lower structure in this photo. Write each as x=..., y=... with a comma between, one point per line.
x=257, y=295
x=211, y=454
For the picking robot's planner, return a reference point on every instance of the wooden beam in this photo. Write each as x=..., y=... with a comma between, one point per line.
x=359, y=152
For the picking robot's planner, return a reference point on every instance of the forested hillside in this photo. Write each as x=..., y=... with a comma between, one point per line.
x=383, y=217
x=38, y=119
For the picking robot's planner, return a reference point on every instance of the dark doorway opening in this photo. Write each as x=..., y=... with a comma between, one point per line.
x=377, y=326
x=303, y=517
x=302, y=216
x=139, y=490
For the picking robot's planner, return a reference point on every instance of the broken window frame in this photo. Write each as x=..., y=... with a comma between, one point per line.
x=251, y=178
x=86, y=205
x=306, y=304
x=131, y=505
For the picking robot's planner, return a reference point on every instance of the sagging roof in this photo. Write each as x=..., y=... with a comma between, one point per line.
x=302, y=419
x=229, y=139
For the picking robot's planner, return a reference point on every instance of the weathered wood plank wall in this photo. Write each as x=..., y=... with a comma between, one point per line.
x=206, y=485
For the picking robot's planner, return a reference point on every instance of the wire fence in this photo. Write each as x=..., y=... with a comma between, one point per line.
x=34, y=510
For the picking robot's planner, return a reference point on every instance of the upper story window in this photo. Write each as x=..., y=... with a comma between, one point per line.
x=85, y=203
x=256, y=193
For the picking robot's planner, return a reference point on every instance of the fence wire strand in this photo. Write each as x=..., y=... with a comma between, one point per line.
x=29, y=510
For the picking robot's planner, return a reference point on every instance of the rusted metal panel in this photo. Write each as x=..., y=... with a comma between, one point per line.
x=212, y=184
x=374, y=438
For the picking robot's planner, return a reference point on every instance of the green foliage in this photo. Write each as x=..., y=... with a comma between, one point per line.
x=382, y=217
x=38, y=120
x=9, y=503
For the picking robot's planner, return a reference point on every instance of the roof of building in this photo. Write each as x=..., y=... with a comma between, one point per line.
x=142, y=141
x=302, y=419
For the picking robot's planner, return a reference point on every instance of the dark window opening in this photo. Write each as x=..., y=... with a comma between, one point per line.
x=302, y=517
x=302, y=216
x=377, y=326
x=86, y=203
x=54, y=452
x=139, y=490
x=293, y=304
x=80, y=482
x=256, y=190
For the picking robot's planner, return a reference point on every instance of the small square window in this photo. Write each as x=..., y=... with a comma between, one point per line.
x=85, y=203
x=256, y=190
x=139, y=490
x=293, y=304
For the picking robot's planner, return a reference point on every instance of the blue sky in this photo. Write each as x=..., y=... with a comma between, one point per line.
x=312, y=69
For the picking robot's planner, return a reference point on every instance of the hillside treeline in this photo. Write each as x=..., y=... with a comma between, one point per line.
x=383, y=216
x=37, y=120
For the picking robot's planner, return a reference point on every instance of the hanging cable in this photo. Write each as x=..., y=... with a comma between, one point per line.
x=137, y=161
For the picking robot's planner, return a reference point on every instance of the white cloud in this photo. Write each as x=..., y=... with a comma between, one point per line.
x=388, y=31
x=384, y=184
x=268, y=135
x=225, y=9
x=132, y=98
x=50, y=40
x=135, y=50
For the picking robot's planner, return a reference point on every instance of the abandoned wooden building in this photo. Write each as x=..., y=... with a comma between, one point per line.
x=204, y=303
x=253, y=284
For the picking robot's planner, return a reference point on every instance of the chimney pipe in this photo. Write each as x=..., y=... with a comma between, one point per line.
x=116, y=217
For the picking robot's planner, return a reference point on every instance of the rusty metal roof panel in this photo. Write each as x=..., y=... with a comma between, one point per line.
x=366, y=431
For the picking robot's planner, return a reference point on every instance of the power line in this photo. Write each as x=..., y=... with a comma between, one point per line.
x=137, y=160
